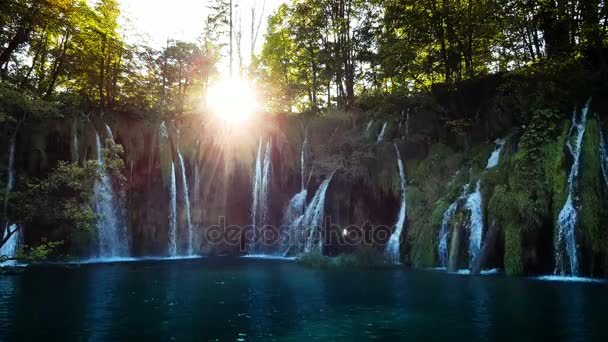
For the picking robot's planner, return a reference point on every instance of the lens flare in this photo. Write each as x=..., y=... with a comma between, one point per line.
x=232, y=101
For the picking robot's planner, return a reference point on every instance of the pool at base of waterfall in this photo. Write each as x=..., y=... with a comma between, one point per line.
x=248, y=299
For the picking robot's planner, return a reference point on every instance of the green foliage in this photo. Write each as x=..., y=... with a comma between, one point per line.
x=592, y=213
x=362, y=257
x=43, y=251
x=62, y=200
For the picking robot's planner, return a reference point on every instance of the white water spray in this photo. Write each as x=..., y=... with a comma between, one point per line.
x=567, y=219
x=473, y=204
x=11, y=247
x=186, y=199
x=173, y=214
x=111, y=232
x=313, y=218
x=382, y=133
x=392, y=251
x=444, y=231
x=259, y=209
x=495, y=156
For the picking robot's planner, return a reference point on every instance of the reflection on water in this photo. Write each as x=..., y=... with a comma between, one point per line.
x=252, y=300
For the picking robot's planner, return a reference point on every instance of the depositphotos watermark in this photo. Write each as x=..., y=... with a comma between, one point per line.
x=295, y=234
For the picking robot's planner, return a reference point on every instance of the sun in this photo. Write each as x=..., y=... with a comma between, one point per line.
x=233, y=101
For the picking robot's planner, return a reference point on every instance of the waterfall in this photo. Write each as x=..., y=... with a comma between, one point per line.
x=173, y=214
x=10, y=248
x=10, y=180
x=294, y=213
x=313, y=218
x=495, y=156
x=382, y=133
x=111, y=232
x=473, y=204
x=109, y=132
x=566, y=222
x=444, y=231
x=392, y=251
x=292, y=218
x=186, y=198
x=259, y=209
x=604, y=155
x=369, y=125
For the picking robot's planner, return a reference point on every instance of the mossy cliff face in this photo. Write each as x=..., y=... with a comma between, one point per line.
x=444, y=139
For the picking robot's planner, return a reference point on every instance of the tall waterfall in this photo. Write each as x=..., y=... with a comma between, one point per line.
x=392, y=251
x=173, y=214
x=444, y=231
x=111, y=232
x=495, y=156
x=10, y=180
x=566, y=222
x=259, y=209
x=604, y=155
x=313, y=218
x=186, y=198
x=382, y=133
x=10, y=248
x=473, y=204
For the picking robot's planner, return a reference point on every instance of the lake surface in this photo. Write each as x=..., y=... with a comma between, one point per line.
x=229, y=299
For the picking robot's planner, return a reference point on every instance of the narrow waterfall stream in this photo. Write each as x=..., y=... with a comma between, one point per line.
x=473, y=204
x=495, y=156
x=369, y=125
x=392, y=251
x=565, y=242
x=312, y=220
x=173, y=214
x=382, y=133
x=260, y=195
x=111, y=232
x=186, y=199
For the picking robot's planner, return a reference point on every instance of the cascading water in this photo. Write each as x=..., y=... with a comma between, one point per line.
x=473, y=204
x=313, y=218
x=10, y=248
x=495, y=156
x=382, y=133
x=567, y=219
x=292, y=218
x=111, y=233
x=186, y=198
x=444, y=231
x=173, y=214
x=392, y=251
x=259, y=209
x=604, y=156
